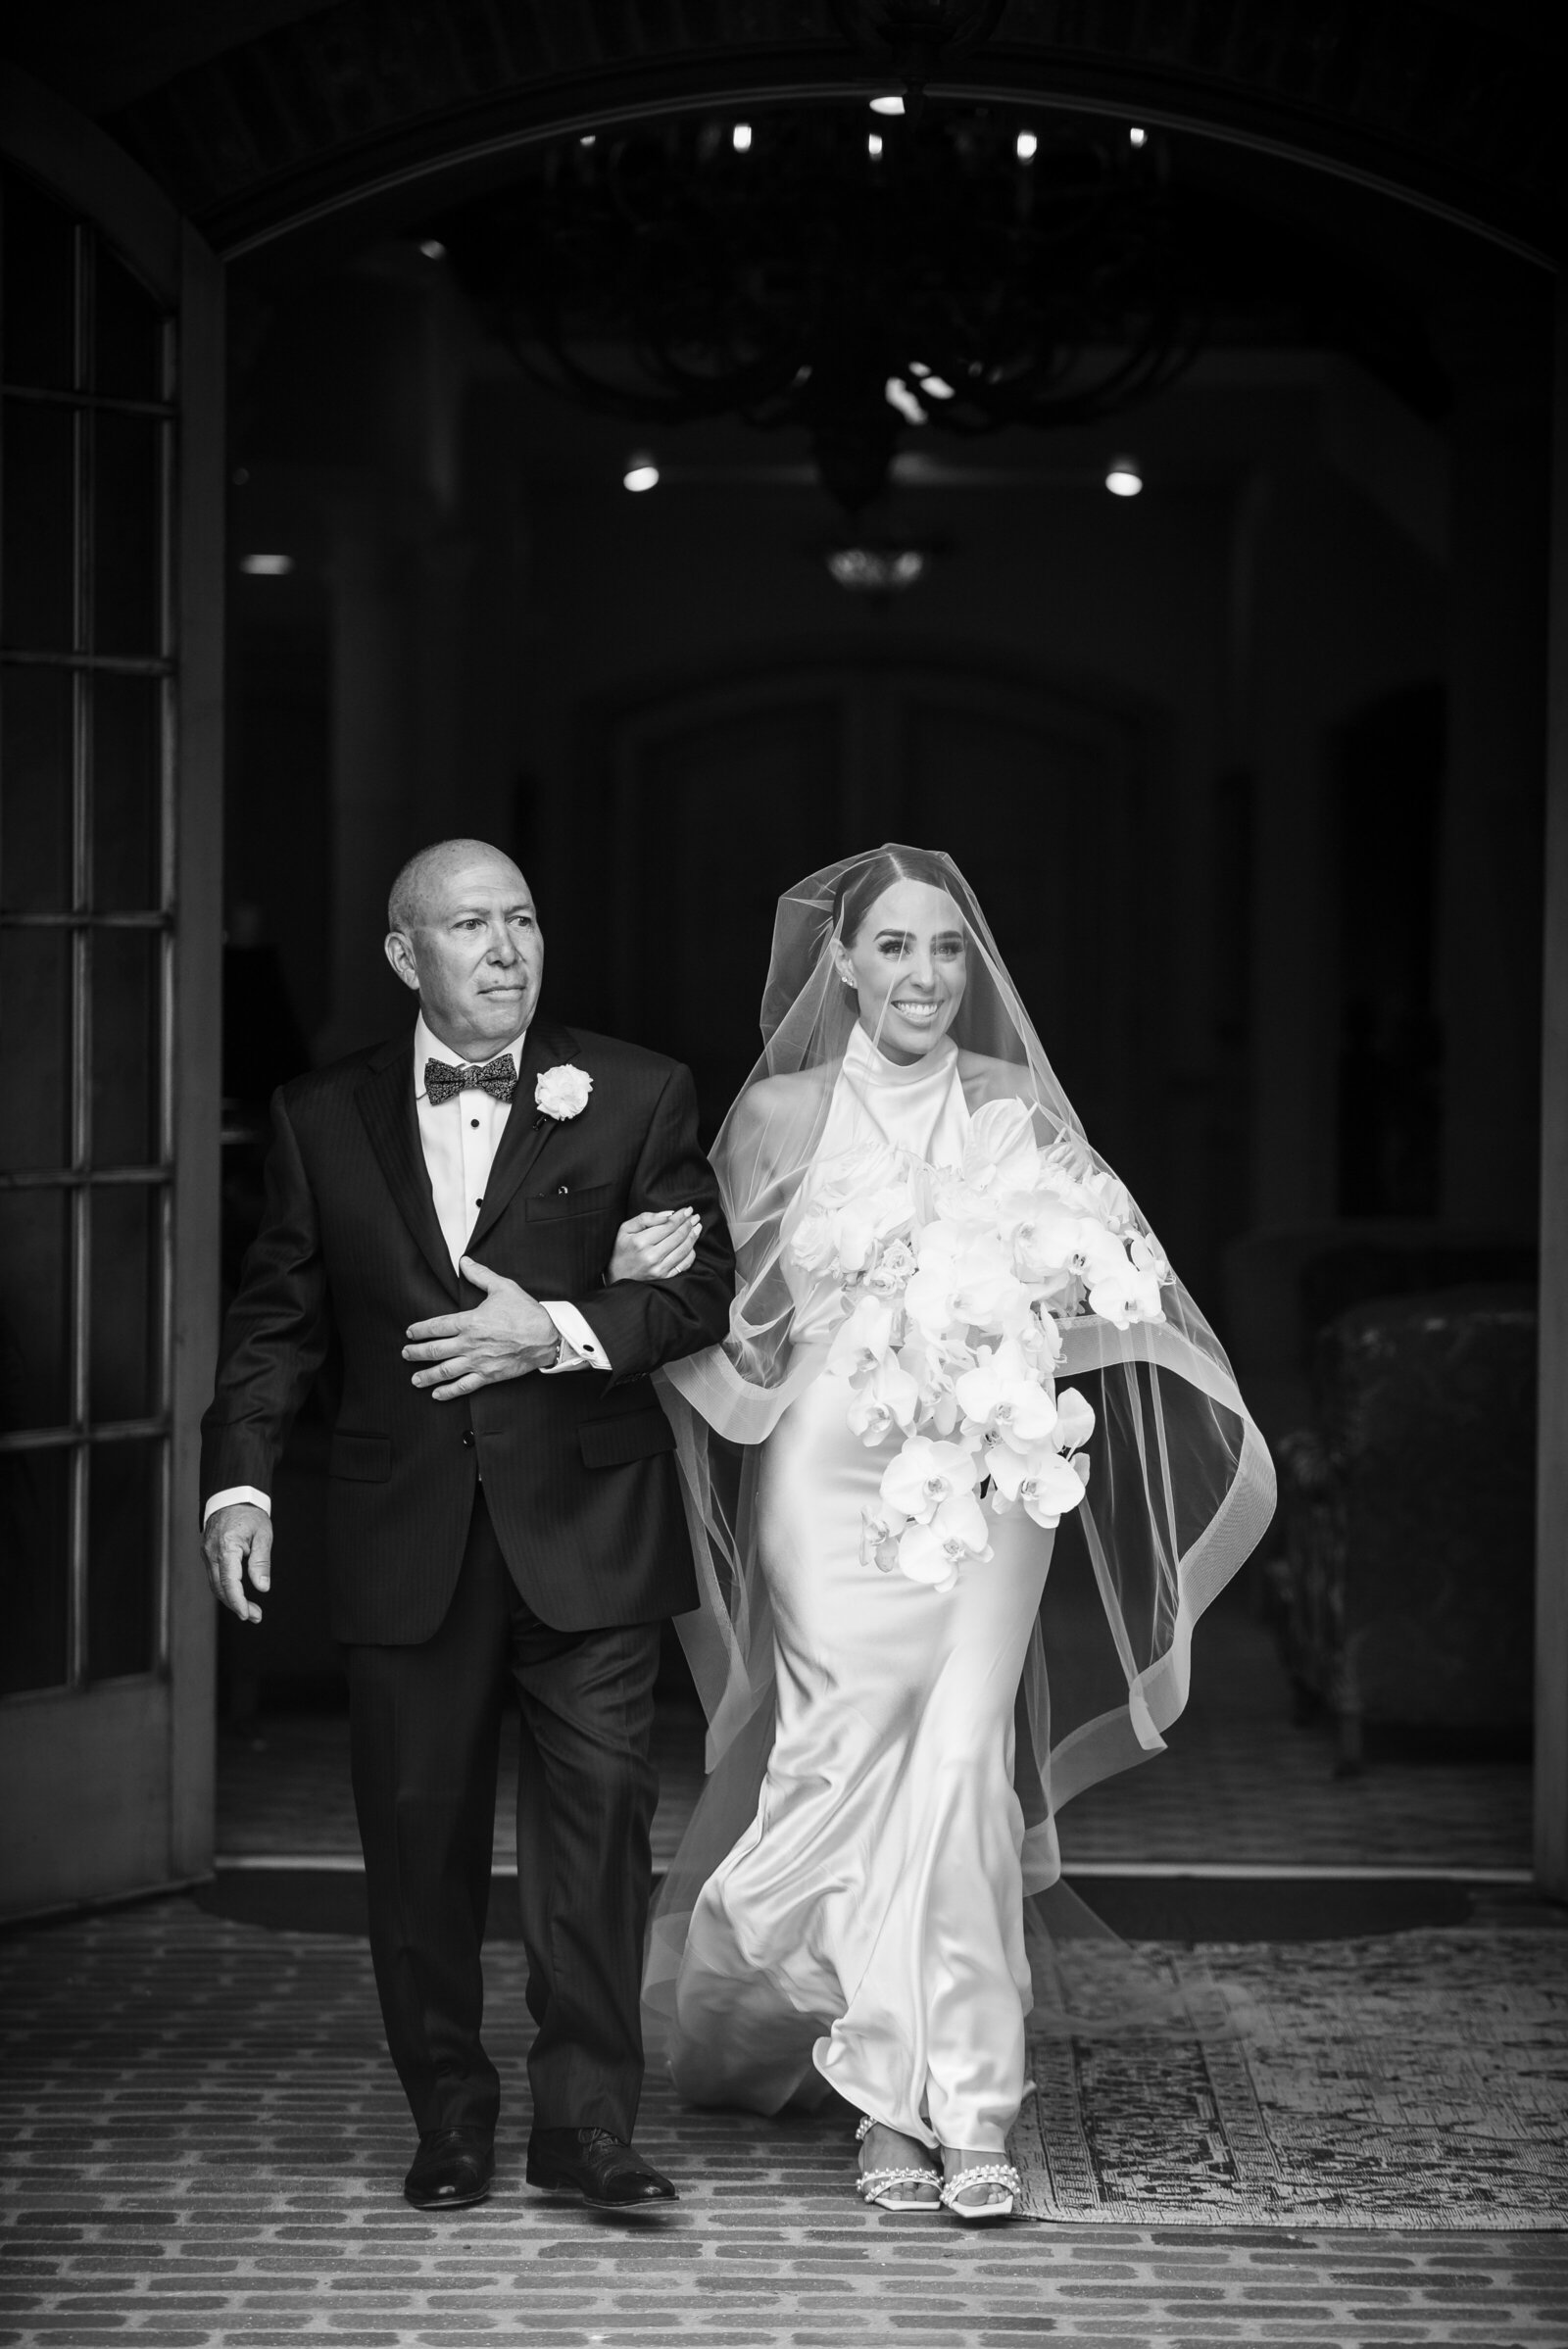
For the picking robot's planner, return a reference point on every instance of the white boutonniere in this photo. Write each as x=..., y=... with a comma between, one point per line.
x=562, y=1091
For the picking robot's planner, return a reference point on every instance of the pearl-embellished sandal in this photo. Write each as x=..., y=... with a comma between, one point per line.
x=879, y=2187
x=984, y=2173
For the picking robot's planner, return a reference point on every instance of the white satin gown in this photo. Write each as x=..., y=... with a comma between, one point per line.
x=865, y=1933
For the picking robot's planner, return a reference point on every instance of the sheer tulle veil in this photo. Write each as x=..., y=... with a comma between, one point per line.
x=1181, y=1486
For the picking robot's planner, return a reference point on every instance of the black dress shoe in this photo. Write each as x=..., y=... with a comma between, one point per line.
x=453, y=2168
x=604, y=2169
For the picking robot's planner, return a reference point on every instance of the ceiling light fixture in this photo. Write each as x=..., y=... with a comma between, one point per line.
x=642, y=470
x=891, y=104
x=655, y=281
x=266, y=566
x=1123, y=479
x=1137, y=136
x=740, y=138
x=434, y=249
x=1027, y=146
x=877, y=570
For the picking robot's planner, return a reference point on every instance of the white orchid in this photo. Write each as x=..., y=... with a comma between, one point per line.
x=934, y=1370
x=1069, y=1172
x=1098, y=1254
x=1122, y=1294
x=1075, y=1422
x=1044, y=1239
x=1039, y=1342
x=1109, y=1199
x=933, y=1552
x=999, y=1154
x=1042, y=1481
x=889, y=1398
x=1148, y=1257
x=930, y=1297
x=925, y=1474
x=862, y=1341
x=880, y=1529
x=987, y=1293
x=1002, y=1397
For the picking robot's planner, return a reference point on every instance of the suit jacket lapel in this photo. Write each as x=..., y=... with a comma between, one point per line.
x=386, y=1103
x=529, y=1130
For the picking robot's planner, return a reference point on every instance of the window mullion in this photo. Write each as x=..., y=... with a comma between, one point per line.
x=81, y=972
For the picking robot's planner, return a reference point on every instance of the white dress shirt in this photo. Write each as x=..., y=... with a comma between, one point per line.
x=459, y=1137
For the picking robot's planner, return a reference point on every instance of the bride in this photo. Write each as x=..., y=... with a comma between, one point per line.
x=928, y=1249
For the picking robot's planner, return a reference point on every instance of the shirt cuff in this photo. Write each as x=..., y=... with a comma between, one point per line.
x=233, y=1493
x=580, y=1349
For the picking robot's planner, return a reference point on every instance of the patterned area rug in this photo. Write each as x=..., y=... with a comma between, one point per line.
x=1415, y=2081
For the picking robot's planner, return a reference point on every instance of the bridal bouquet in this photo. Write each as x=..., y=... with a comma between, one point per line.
x=955, y=1284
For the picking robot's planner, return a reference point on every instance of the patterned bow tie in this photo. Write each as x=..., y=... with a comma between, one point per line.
x=498, y=1077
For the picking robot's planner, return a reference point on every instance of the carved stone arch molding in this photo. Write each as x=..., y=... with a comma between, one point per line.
x=265, y=116
x=1050, y=795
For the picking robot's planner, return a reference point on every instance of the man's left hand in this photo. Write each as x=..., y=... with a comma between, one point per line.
x=506, y=1335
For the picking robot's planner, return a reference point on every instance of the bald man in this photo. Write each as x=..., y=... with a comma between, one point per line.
x=481, y=1238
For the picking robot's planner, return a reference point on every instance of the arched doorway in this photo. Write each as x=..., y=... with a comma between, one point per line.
x=305, y=130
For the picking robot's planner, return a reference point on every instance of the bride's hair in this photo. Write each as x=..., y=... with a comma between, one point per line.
x=863, y=884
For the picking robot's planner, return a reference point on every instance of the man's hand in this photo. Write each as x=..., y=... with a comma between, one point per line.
x=505, y=1336
x=236, y=1538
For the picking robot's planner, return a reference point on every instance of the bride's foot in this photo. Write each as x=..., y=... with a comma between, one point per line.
x=897, y=2173
x=978, y=2185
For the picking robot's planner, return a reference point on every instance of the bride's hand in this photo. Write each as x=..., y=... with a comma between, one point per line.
x=658, y=1247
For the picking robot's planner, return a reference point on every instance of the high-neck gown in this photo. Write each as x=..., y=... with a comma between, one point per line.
x=865, y=1932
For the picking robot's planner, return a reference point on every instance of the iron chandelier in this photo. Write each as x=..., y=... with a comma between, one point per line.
x=847, y=273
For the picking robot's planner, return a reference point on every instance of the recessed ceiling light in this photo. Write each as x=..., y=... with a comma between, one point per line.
x=1123, y=479
x=740, y=138
x=266, y=566
x=877, y=570
x=642, y=470
x=434, y=249
x=1028, y=146
x=873, y=142
x=1138, y=135
x=891, y=104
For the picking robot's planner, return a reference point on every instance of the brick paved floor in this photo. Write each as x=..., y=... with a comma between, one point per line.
x=1239, y=1783
x=203, y=2143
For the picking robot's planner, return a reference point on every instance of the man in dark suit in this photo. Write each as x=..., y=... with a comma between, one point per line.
x=502, y=1500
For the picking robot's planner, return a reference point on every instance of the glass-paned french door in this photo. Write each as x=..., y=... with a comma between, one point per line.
x=111, y=851
x=88, y=358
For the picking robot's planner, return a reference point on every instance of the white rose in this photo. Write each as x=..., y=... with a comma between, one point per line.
x=811, y=1240
x=893, y=1270
x=562, y=1091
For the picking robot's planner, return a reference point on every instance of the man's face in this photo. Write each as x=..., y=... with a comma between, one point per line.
x=475, y=956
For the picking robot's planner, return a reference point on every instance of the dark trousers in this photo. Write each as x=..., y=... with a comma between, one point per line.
x=426, y=1726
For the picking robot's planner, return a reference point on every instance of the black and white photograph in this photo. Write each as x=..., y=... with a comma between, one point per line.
x=784, y=1174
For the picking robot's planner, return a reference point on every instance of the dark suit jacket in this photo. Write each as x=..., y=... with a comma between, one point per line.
x=579, y=1468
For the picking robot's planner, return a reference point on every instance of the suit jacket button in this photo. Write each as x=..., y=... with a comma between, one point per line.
x=467, y=1438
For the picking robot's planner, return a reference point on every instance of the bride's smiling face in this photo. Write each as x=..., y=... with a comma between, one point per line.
x=907, y=963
